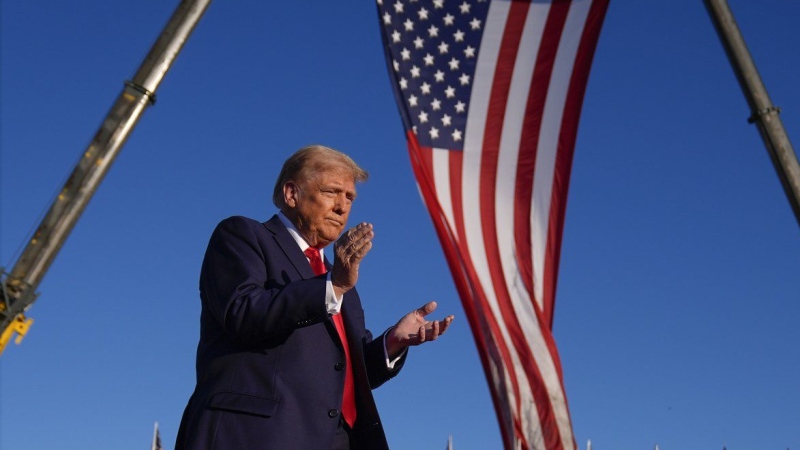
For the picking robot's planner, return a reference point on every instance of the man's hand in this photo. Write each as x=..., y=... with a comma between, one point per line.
x=348, y=251
x=413, y=329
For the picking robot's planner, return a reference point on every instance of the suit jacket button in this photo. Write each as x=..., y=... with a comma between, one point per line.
x=333, y=413
x=338, y=367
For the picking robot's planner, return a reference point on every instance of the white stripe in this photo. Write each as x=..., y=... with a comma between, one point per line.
x=506, y=183
x=473, y=142
x=548, y=142
x=543, y=183
x=441, y=178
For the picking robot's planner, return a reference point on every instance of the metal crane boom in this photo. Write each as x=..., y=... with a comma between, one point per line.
x=19, y=285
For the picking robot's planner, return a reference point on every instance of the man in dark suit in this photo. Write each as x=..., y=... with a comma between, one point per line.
x=284, y=359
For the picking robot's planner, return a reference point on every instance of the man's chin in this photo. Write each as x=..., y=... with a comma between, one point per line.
x=329, y=237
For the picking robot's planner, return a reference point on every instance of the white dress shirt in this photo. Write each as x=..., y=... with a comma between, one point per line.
x=333, y=304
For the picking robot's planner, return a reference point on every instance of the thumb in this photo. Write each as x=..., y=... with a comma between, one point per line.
x=426, y=309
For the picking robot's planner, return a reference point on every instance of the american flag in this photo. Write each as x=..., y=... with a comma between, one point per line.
x=490, y=96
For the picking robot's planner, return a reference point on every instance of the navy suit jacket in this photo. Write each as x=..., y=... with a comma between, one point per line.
x=269, y=361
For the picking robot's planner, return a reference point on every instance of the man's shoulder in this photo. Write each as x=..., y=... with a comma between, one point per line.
x=238, y=222
x=247, y=228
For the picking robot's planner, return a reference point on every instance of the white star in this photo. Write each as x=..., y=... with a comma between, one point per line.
x=458, y=36
x=460, y=107
x=409, y=25
x=423, y=117
x=443, y=47
x=396, y=36
x=434, y=133
x=405, y=54
x=464, y=79
x=475, y=24
x=464, y=8
x=418, y=42
x=387, y=18
x=425, y=88
x=469, y=52
x=450, y=92
x=433, y=31
x=398, y=7
x=453, y=64
x=446, y=120
x=449, y=19
x=439, y=4
x=428, y=59
x=423, y=14
x=403, y=83
x=380, y=2
x=396, y=65
x=436, y=104
x=456, y=135
x=415, y=72
x=412, y=100
x=439, y=76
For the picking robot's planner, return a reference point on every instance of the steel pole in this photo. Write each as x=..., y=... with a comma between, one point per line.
x=763, y=113
x=20, y=284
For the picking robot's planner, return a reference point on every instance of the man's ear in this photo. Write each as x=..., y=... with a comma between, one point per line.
x=290, y=193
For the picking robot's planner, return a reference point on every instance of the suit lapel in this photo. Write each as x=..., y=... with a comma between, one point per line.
x=289, y=246
x=296, y=257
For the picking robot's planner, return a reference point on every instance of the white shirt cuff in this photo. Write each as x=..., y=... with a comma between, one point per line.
x=390, y=364
x=332, y=303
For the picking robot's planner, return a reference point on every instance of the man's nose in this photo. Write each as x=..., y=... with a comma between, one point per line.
x=342, y=204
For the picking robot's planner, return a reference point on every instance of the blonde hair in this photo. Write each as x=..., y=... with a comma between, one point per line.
x=307, y=162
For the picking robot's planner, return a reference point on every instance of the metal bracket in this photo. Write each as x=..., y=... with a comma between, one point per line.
x=151, y=96
x=763, y=112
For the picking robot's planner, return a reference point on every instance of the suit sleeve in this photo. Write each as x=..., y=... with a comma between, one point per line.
x=375, y=359
x=238, y=292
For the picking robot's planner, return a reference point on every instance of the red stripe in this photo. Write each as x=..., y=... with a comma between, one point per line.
x=540, y=82
x=541, y=78
x=563, y=169
x=483, y=325
x=495, y=116
x=566, y=139
x=531, y=129
x=488, y=179
x=478, y=298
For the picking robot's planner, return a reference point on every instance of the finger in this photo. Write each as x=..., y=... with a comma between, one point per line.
x=351, y=235
x=358, y=232
x=421, y=334
x=358, y=251
x=353, y=251
x=426, y=309
x=445, y=324
x=435, y=330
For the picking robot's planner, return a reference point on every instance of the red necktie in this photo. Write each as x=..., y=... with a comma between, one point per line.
x=349, y=398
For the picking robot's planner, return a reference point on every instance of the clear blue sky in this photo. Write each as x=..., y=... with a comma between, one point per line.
x=677, y=305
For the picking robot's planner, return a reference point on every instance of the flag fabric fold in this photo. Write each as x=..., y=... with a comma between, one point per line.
x=490, y=94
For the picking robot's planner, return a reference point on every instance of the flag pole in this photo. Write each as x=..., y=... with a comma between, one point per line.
x=763, y=113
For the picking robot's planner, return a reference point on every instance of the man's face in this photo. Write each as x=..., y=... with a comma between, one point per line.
x=319, y=206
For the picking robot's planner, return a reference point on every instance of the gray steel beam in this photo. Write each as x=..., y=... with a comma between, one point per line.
x=20, y=284
x=763, y=113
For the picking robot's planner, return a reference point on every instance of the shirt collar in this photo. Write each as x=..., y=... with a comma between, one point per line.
x=296, y=235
